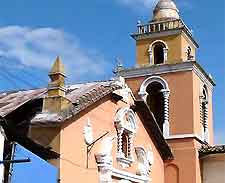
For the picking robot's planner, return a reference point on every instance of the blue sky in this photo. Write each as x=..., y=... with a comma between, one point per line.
x=37, y=170
x=89, y=35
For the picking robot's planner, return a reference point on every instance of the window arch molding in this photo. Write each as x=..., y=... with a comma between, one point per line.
x=125, y=118
x=143, y=93
x=126, y=127
x=166, y=93
x=151, y=50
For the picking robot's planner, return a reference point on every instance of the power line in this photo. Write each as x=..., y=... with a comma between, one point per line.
x=15, y=78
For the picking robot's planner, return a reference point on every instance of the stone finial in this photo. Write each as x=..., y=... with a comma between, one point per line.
x=56, y=101
x=57, y=76
x=57, y=68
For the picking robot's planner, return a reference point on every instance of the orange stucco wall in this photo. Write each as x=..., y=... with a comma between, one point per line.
x=184, y=118
x=197, y=86
x=181, y=100
x=185, y=167
x=73, y=160
x=184, y=102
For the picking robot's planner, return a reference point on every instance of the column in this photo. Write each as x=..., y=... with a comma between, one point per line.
x=150, y=56
x=166, y=125
x=120, y=142
x=130, y=145
x=206, y=129
x=165, y=52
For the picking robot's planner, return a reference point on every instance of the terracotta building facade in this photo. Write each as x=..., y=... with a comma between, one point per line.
x=151, y=123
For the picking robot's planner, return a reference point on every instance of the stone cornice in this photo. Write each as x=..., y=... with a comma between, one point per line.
x=129, y=176
x=147, y=35
x=169, y=68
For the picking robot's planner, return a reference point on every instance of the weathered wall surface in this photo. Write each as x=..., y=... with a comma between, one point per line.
x=213, y=168
x=73, y=161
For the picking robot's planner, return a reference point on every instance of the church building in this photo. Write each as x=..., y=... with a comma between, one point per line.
x=152, y=123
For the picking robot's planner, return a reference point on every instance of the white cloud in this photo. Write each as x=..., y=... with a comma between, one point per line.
x=39, y=47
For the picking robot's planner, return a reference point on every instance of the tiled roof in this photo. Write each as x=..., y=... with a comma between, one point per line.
x=10, y=101
x=206, y=150
x=80, y=95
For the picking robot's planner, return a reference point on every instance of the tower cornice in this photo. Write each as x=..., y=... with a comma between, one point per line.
x=162, y=29
x=149, y=70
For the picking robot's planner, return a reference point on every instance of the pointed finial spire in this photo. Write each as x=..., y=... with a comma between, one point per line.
x=57, y=76
x=57, y=68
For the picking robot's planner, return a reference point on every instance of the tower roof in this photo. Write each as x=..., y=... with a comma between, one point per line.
x=165, y=10
x=57, y=68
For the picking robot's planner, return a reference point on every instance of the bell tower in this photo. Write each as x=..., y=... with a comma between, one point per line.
x=165, y=39
x=176, y=88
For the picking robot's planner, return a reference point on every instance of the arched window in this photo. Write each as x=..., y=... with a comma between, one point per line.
x=204, y=114
x=155, y=91
x=158, y=52
x=125, y=124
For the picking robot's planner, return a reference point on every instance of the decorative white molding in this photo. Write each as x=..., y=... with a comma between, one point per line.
x=183, y=136
x=150, y=56
x=88, y=133
x=151, y=48
x=124, y=181
x=142, y=92
x=145, y=161
x=166, y=93
x=126, y=119
x=104, y=160
x=129, y=176
x=125, y=122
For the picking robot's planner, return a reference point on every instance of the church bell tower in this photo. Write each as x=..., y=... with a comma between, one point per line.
x=176, y=88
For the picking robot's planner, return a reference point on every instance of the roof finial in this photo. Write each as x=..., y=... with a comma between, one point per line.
x=57, y=76
x=57, y=68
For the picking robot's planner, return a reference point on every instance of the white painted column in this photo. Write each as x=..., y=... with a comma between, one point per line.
x=206, y=126
x=165, y=53
x=150, y=56
x=120, y=142
x=130, y=145
x=166, y=125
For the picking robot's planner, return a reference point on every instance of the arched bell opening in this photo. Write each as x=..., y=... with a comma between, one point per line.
x=155, y=92
x=155, y=100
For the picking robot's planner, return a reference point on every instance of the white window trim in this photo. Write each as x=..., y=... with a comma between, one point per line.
x=130, y=128
x=166, y=93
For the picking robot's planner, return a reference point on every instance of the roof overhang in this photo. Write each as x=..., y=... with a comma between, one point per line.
x=153, y=129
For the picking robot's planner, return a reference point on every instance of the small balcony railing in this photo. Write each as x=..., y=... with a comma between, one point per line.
x=155, y=27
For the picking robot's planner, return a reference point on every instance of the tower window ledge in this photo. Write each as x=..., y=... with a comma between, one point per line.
x=123, y=161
